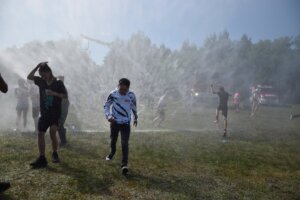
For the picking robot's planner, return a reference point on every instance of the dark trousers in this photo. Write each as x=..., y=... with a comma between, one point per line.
x=125, y=133
x=61, y=128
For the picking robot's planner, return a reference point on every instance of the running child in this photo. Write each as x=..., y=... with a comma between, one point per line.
x=223, y=106
x=118, y=107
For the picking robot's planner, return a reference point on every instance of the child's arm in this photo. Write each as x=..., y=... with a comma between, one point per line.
x=134, y=109
x=107, y=106
x=31, y=74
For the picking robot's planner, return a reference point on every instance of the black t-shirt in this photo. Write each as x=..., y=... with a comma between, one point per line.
x=50, y=105
x=223, y=99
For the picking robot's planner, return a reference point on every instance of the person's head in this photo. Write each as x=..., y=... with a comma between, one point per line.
x=221, y=89
x=45, y=71
x=124, y=85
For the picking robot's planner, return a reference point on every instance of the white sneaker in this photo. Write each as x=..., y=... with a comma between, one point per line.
x=108, y=158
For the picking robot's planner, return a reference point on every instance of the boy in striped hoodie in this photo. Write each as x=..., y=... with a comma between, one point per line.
x=118, y=107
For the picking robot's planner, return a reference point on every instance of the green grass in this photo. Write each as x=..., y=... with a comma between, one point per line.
x=260, y=161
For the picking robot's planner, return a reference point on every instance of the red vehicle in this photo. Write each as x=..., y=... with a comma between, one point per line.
x=268, y=95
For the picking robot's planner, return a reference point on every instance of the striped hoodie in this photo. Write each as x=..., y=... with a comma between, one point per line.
x=120, y=107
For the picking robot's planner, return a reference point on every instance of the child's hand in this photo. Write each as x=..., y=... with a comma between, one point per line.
x=51, y=93
x=135, y=123
x=111, y=120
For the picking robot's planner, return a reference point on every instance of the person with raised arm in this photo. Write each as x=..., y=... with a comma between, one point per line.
x=223, y=106
x=52, y=91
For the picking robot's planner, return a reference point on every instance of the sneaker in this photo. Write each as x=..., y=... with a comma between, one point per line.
x=55, y=158
x=124, y=170
x=4, y=186
x=40, y=162
x=108, y=158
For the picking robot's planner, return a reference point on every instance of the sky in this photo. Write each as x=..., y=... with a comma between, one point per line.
x=170, y=22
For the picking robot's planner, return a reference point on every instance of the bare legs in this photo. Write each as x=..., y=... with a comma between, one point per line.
x=53, y=130
x=254, y=108
x=36, y=119
x=41, y=140
x=21, y=114
x=217, y=116
x=225, y=121
x=41, y=143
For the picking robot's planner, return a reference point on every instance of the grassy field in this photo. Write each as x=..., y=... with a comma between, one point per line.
x=260, y=161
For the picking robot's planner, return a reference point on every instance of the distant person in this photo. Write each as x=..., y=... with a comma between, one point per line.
x=161, y=110
x=254, y=101
x=22, y=95
x=236, y=101
x=188, y=102
x=3, y=88
x=122, y=102
x=62, y=131
x=223, y=106
x=35, y=101
x=52, y=91
x=294, y=116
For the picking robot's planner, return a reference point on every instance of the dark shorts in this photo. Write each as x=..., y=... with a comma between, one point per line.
x=47, y=121
x=224, y=110
x=35, y=112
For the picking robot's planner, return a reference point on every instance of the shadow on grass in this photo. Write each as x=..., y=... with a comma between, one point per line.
x=86, y=181
x=6, y=197
x=88, y=152
x=187, y=187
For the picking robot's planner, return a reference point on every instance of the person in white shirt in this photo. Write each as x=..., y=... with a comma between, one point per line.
x=22, y=95
x=161, y=110
x=118, y=107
